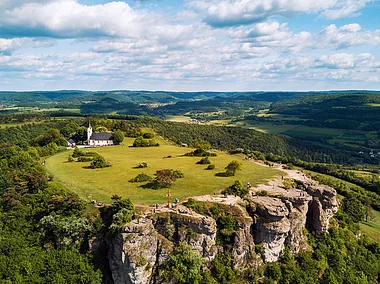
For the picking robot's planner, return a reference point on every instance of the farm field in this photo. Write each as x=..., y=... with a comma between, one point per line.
x=372, y=227
x=101, y=184
x=267, y=127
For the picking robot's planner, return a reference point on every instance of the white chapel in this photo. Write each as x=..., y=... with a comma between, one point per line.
x=98, y=139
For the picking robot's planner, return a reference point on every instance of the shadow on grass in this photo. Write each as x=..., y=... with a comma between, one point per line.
x=150, y=185
x=221, y=174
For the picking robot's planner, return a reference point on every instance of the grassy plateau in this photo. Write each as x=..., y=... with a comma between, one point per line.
x=101, y=184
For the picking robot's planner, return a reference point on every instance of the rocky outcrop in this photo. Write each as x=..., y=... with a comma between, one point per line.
x=282, y=221
x=265, y=224
x=271, y=225
x=134, y=252
x=322, y=208
x=141, y=246
x=243, y=249
x=196, y=230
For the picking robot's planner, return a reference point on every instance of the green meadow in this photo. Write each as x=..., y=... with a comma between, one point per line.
x=372, y=227
x=101, y=184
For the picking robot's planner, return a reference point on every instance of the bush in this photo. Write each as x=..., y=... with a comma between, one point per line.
x=210, y=167
x=232, y=167
x=204, y=161
x=140, y=178
x=99, y=162
x=142, y=165
x=141, y=142
x=84, y=159
x=148, y=135
x=178, y=174
x=262, y=193
x=237, y=189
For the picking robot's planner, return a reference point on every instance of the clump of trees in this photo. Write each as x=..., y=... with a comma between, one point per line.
x=141, y=177
x=118, y=136
x=203, y=148
x=232, y=168
x=237, y=188
x=98, y=162
x=141, y=142
x=204, y=161
x=165, y=178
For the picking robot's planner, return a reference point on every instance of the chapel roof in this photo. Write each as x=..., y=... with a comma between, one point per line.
x=101, y=136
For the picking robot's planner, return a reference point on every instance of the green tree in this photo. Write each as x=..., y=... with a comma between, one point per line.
x=237, y=189
x=232, y=167
x=118, y=136
x=98, y=162
x=164, y=178
x=184, y=266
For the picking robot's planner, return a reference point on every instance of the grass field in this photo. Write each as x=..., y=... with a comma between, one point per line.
x=372, y=227
x=178, y=118
x=101, y=184
x=267, y=127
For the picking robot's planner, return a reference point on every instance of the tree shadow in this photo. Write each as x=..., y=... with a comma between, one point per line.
x=150, y=185
x=222, y=174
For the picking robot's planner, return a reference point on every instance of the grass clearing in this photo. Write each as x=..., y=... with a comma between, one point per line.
x=178, y=118
x=372, y=227
x=101, y=184
x=269, y=128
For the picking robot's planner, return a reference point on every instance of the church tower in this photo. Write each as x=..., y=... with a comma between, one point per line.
x=89, y=132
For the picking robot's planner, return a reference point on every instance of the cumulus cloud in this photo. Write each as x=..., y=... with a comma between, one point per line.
x=346, y=8
x=70, y=19
x=9, y=45
x=222, y=13
x=347, y=36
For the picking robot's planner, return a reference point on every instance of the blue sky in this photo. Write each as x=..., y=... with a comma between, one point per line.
x=190, y=45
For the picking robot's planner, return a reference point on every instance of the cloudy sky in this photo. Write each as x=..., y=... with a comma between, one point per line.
x=190, y=45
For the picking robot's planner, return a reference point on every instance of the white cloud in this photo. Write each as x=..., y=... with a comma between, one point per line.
x=9, y=45
x=345, y=8
x=347, y=36
x=221, y=13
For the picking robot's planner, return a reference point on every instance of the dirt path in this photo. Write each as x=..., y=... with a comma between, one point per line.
x=273, y=186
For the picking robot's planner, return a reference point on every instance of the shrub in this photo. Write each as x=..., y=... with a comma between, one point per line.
x=84, y=159
x=210, y=167
x=99, y=162
x=204, y=161
x=178, y=174
x=142, y=165
x=232, y=167
x=237, y=189
x=262, y=193
x=148, y=135
x=141, y=142
x=140, y=178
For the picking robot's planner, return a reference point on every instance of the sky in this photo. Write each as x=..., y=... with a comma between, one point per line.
x=190, y=45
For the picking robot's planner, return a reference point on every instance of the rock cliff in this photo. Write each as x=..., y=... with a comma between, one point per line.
x=266, y=224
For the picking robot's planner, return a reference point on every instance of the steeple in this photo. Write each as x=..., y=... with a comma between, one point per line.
x=89, y=131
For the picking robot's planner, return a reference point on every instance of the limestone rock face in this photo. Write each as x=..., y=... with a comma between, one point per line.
x=282, y=221
x=298, y=208
x=243, y=249
x=271, y=226
x=134, y=252
x=139, y=248
x=322, y=208
x=197, y=231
